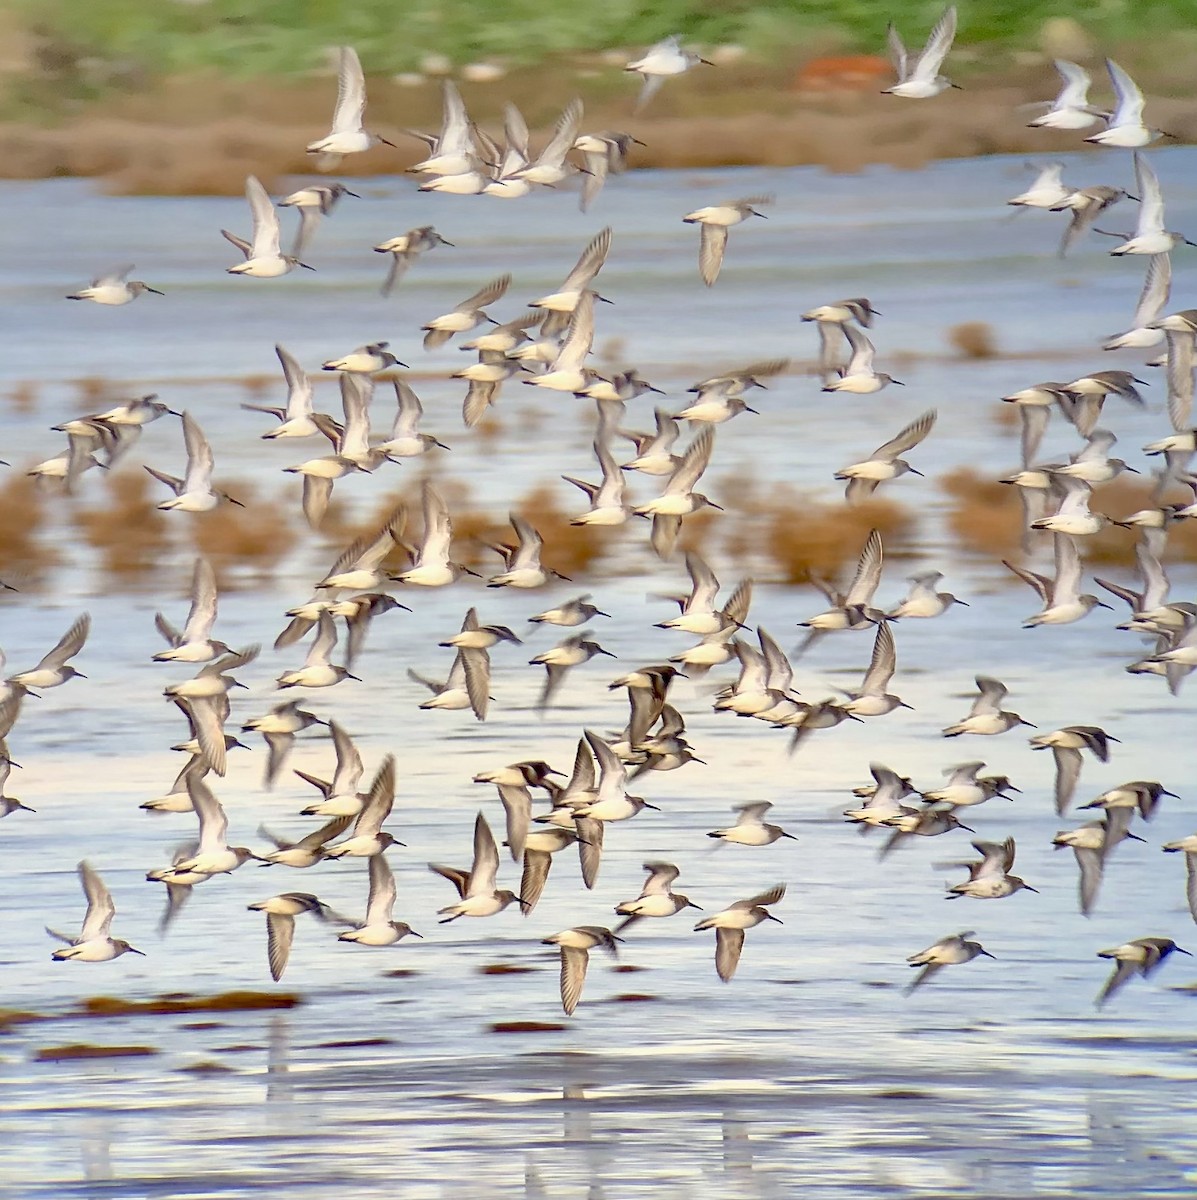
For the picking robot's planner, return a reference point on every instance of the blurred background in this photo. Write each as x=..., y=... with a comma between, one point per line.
x=180, y=96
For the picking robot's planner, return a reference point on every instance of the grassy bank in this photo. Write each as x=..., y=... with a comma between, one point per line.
x=252, y=37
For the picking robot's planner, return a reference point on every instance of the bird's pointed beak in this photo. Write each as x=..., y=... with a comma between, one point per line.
x=756, y=413
x=1026, y=887
x=918, y=473
x=156, y=292
x=716, y=507
x=134, y=950
x=770, y=917
x=355, y=678
x=305, y=266
x=413, y=933
x=1186, y=953
x=607, y=653
x=1103, y=604
x=898, y=382
x=80, y=675
x=986, y=954
x=654, y=807
x=385, y=143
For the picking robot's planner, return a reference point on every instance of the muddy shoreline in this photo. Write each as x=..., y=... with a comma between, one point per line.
x=202, y=135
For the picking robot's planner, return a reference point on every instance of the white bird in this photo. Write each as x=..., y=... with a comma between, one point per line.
x=347, y=135
x=853, y=607
x=278, y=728
x=466, y=315
x=296, y=419
x=114, y=288
x=873, y=700
x=213, y=854
x=607, y=503
x=656, y=899
x=571, y=652
x=281, y=912
x=1071, y=108
x=467, y=684
x=94, y=944
x=575, y=945
x=946, y=952
x=54, y=670
x=368, y=837
x=263, y=257
x=476, y=887
x=314, y=202
x=379, y=928
x=195, y=642
x=539, y=847
x=1063, y=602
x=453, y=148
x=1150, y=236
x=1125, y=126
x=679, y=499
x=507, y=184
x=1072, y=516
x=604, y=154
x=986, y=715
x=1047, y=190
x=1139, y=957
x=1091, y=844
x=318, y=671
x=716, y=220
x=660, y=61
x=570, y=614
x=404, y=250
x=521, y=562
x=990, y=879
x=923, y=601
x=341, y=796
x=1066, y=745
x=431, y=566
x=1188, y=846
x=365, y=360
x=858, y=377
x=566, y=373
x=559, y=305
x=730, y=924
x=1143, y=331
x=886, y=462
x=551, y=166
x=194, y=492
x=750, y=828
x=654, y=454
x=920, y=79
x=965, y=787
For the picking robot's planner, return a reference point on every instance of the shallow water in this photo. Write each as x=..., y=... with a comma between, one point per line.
x=810, y=1074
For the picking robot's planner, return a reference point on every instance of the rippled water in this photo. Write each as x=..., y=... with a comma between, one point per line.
x=810, y=1074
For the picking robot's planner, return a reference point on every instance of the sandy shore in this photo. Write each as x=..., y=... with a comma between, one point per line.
x=203, y=135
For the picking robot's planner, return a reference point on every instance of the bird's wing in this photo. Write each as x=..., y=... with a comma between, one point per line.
x=1034, y=425
x=356, y=393
x=517, y=807
x=1157, y=287
x=694, y=462
x=574, y=962
x=1123, y=971
x=862, y=351
x=348, y=774
x=652, y=84
x=379, y=800
x=486, y=295
x=938, y=44
x=213, y=822
x=772, y=896
x=351, y=93
x=565, y=133
x=1090, y=864
x=1066, y=586
x=728, y=944
x=868, y=572
x=455, y=125
x=280, y=932
x=1128, y=108
x=68, y=645
x=265, y=218
x=381, y=904
x=590, y=262
x=704, y=587
x=299, y=385
x=317, y=493
x=485, y=868
x=660, y=876
x=1180, y=379
x=458, y=878
x=199, y=456
x=590, y=848
x=897, y=51
x=476, y=664
x=278, y=746
x=1068, y=772
x=323, y=644
x=1151, y=198
x=534, y=878
x=883, y=663
x=100, y=909
x=202, y=614
x=1074, y=92
x=908, y=438
x=207, y=724
x=438, y=530
x=579, y=336
x=711, y=245
x=1191, y=887
x=409, y=410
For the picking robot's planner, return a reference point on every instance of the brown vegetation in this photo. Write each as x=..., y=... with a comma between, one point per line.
x=259, y=533
x=25, y=558
x=182, y=1002
x=973, y=339
x=127, y=529
x=78, y=1050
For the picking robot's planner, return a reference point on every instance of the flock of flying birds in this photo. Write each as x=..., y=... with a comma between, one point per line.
x=548, y=346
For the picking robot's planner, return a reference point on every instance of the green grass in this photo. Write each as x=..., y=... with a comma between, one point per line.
x=249, y=37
